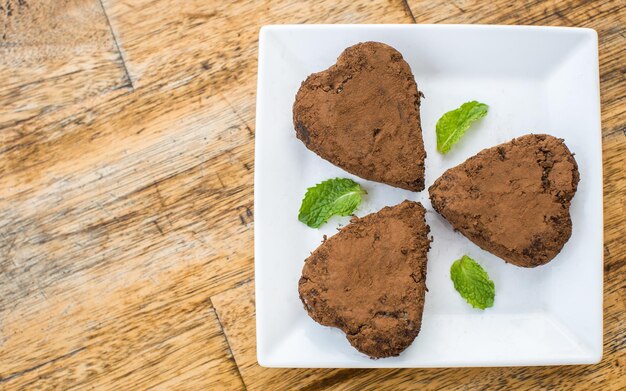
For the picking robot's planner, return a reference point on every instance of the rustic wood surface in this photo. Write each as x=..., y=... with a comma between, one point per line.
x=126, y=192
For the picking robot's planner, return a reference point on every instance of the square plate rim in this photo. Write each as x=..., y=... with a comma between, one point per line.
x=264, y=30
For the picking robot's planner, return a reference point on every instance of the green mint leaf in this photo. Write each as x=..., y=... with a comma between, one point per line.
x=453, y=124
x=472, y=282
x=339, y=196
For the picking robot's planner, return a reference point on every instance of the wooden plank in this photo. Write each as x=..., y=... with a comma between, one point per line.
x=53, y=54
x=167, y=191
x=129, y=193
x=116, y=238
x=219, y=39
x=137, y=218
x=109, y=340
x=142, y=209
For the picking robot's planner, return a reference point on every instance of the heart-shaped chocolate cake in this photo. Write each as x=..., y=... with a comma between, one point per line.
x=513, y=199
x=369, y=279
x=362, y=114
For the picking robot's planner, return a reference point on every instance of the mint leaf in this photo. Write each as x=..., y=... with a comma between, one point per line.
x=453, y=124
x=472, y=282
x=339, y=196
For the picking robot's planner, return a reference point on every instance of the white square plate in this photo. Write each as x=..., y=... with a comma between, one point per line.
x=535, y=80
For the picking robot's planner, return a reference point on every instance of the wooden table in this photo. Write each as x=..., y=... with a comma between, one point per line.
x=126, y=192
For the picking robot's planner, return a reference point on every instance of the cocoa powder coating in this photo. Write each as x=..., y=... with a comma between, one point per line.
x=513, y=199
x=369, y=279
x=362, y=114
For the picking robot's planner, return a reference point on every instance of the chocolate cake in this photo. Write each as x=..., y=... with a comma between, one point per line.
x=513, y=199
x=362, y=114
x=369, y=279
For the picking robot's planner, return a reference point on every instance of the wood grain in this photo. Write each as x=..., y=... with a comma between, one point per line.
x=117, y=338
x=111, y=226
x=219, y=39
x=126, y=154
x=54, y=53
